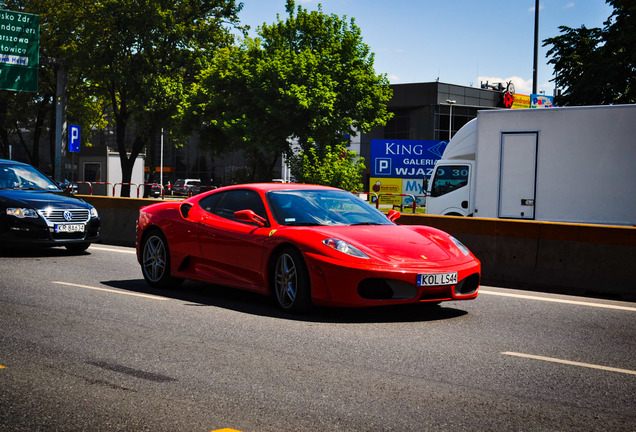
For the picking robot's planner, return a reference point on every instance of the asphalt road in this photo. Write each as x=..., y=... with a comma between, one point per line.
x=86, y=345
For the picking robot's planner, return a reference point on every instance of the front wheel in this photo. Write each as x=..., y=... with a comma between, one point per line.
x=155, y=261
x=291, y=282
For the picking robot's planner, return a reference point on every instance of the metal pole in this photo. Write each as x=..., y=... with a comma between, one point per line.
x=536, y=47
x=450, y=117
x=161, y=162
x=60, y=121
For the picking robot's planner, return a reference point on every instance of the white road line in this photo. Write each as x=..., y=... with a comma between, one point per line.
x=111, y=290
x=101, y=248
x=554, y=300
x=568, y=362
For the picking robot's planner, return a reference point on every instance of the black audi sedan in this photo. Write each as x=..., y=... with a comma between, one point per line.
x=35, y=211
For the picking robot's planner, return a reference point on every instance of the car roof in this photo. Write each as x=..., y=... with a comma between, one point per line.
x=12, y=162
x=266, y=187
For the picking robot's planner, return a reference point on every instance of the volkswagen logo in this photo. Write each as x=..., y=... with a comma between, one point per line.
x=68, y=216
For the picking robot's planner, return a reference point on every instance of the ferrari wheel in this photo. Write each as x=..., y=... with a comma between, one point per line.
x=155, y=264
x=291, y=282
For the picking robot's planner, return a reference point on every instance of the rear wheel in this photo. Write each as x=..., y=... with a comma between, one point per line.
x=291, y=282
x=155, y=261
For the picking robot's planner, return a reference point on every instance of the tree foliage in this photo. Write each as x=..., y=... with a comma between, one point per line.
x=597, y=65
x=337, y=167
x=141, y=56
x=35, y=112
x=307, y=79
x=129, y=61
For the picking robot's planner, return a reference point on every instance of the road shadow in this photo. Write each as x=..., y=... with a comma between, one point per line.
x=8, y=251
x=197, y=294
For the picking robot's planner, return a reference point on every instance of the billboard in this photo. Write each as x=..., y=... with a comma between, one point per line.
x=404, y=158
x=399, y=167
x=541, y=101
x=521, y=101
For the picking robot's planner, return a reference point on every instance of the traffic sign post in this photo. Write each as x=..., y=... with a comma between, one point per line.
x=74, y=136
x=19, y=51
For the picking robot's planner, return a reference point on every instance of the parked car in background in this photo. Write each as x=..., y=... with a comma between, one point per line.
x=156, y=191
x=36, y=211
x=185, y=187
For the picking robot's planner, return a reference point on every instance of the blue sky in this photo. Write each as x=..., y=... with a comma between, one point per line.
x=458, y=41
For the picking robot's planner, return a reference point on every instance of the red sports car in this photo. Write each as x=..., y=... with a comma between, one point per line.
x=304, y=244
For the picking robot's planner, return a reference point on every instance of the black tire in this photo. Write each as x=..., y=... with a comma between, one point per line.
x=77, y=247
x=155, y=261
x=290, y=282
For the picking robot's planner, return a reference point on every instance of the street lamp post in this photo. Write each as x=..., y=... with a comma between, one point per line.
x=450, y=116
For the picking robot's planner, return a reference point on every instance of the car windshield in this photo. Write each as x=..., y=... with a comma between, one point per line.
x=24, y=177
x=323, y=207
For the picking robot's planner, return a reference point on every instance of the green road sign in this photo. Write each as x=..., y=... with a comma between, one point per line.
x=19, y=51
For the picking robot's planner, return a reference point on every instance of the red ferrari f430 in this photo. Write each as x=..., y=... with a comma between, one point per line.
x=305, y=245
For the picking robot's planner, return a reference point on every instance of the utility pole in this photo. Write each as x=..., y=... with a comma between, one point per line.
x=60, y=111
x=536, y=47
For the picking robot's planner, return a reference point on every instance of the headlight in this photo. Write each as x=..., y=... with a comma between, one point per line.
x=94, y=212
x=344, y=247
x=22, y=213
x=460, y=246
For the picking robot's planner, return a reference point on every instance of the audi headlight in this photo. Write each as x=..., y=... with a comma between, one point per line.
x=344, y=247
x=460, y=246
x=94, y=212
x=22, y=213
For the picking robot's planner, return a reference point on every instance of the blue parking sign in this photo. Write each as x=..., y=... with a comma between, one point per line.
x=74, y=133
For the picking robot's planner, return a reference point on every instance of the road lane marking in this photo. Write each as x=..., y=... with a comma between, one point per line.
x=107, y=249
x=568, y=362
x=554, y=300
x=150, y=296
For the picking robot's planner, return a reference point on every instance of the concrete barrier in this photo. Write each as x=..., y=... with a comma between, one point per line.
x=569, y=258
x=119, y=217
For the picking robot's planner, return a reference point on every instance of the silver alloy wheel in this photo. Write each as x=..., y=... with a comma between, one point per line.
x=286, y=281
x=154, y=258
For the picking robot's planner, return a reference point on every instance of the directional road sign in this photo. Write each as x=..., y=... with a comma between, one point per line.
x=19, y=51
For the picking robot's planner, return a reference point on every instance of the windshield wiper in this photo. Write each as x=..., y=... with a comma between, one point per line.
x=302, y=224
x=365, y=223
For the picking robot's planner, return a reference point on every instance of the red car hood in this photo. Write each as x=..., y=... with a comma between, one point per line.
x=395, y=243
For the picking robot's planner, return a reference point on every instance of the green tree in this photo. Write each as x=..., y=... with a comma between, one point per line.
x=597, y=65
x=308, y=79
x=141, y=56
x=337, y=167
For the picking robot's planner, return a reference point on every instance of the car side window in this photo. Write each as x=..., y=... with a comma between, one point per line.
x=226, y=203
x=210, y=202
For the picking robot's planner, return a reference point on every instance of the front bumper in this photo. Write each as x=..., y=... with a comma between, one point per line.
x=339, y=283
x=36, y=232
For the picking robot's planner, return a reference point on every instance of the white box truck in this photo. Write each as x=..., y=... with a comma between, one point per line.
x=571, y=164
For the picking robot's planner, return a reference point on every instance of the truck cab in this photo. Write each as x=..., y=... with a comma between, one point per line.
x=450, y=190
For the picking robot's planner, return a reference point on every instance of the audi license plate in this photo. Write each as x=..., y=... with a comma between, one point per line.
x=70, y=228
x=435, y=279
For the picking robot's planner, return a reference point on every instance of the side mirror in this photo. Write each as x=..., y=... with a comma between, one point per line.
x=249, y=216
x=393, y=215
